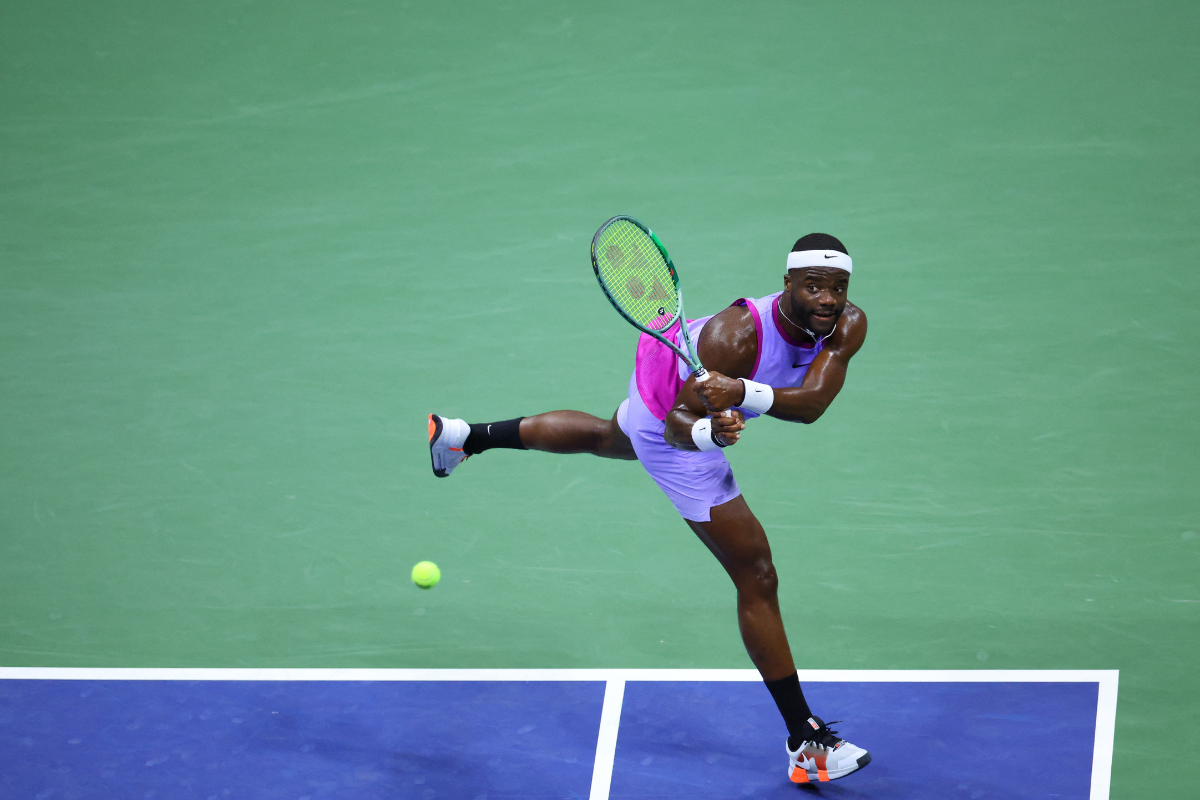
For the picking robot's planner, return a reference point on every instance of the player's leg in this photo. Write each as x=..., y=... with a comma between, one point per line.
x=576, y=432
x=451, y=441
x=737, y=539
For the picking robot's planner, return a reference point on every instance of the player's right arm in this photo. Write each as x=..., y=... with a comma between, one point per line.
x=827, y=374
x=728, y=346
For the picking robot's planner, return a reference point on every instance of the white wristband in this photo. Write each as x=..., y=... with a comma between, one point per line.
x=703, y=437
x=759, y=397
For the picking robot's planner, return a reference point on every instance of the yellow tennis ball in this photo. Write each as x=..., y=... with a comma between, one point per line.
x=426, y=574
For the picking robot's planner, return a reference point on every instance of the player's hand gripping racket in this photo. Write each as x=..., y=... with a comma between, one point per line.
x=638, y=278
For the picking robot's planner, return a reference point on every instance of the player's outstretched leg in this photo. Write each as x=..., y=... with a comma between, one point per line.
x=737, y=539
x=452, y=441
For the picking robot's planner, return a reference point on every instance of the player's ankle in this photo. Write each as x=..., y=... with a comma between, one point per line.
x=489, y=435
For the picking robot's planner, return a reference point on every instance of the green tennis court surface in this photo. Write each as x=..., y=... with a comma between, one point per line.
x=246, y=248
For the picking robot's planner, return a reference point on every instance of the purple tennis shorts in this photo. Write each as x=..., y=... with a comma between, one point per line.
x=694, y=482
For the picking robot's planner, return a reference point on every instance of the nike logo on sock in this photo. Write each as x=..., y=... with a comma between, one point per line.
x=489, y=430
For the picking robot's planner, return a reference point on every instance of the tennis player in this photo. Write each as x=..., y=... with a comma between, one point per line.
x=784, y=355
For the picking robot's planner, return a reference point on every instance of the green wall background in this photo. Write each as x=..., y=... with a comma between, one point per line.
x=245, y=248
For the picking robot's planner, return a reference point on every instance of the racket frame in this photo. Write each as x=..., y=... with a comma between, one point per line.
x=690, y=356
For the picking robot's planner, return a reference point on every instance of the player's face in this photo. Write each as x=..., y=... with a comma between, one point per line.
x=818, y=296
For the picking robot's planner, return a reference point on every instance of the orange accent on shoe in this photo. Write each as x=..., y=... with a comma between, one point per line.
x=822, y=761
x=432, y=428
x=456, y=449
x=799, y=775
x=822, y=775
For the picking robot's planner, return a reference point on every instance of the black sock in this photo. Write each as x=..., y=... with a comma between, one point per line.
x=792, y=705
x=487, y=435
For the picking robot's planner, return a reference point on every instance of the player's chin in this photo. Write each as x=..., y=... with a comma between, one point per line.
x=823, y=326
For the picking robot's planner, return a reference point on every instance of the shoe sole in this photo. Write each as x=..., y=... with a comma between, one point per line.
x=435, y=433
x=800, y=775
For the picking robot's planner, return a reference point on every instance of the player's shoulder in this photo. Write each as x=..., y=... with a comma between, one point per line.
x=851, y=330
x=728, y=341
x=733, y=325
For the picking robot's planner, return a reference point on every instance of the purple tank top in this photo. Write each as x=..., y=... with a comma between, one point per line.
x=781, y=361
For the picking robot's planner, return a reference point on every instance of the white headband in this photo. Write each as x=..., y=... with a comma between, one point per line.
x=819, y=258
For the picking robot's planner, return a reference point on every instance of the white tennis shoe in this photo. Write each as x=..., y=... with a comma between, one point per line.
x=446, y=438
x=824, y=756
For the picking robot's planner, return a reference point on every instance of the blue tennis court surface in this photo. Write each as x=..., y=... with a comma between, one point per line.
x=927, y=740
x=88, y=737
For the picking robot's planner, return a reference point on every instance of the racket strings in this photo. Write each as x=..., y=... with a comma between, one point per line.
x=636, y=275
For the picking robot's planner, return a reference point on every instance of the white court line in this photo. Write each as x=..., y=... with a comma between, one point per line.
x=286, y=674
x=615, y=679
x=606, y=740
x=1106, y=728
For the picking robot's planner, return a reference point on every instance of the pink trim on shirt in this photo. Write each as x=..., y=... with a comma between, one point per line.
x=775, y=316
x=758, y=330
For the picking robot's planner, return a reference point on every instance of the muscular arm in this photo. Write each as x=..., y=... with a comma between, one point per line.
x=728, y=346
x=827, y=375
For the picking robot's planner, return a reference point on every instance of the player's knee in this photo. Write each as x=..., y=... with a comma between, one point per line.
x=602, y=435
x=612, y=441
x=760, y=578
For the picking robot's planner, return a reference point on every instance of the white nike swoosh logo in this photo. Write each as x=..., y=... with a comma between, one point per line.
x=489, y=430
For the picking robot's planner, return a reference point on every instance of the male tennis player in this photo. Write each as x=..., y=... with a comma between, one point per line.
x=784, y=355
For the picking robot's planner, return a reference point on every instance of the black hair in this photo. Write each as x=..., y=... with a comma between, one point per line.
x=819, y=241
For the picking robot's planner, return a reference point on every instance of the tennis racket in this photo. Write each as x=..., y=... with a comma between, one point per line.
x=638, y=278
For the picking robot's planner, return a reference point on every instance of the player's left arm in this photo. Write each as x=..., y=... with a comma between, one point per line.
x=827, y=375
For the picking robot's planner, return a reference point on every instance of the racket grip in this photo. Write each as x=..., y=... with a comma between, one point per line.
x=701, y=375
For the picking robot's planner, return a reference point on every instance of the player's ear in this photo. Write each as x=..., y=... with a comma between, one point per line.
x=787, y=281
